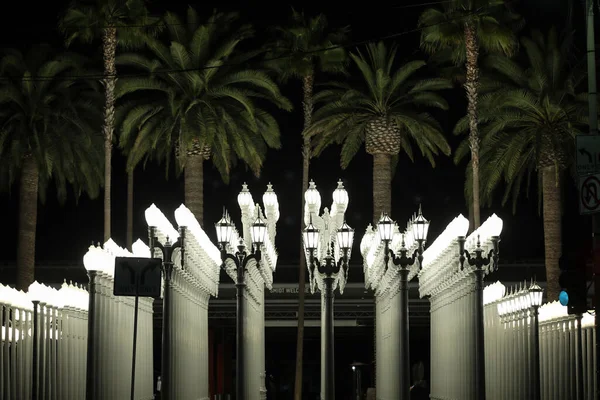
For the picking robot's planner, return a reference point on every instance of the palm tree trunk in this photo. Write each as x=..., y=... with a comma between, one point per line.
x=382, y=185
x=194, y=186
x=28, y=197
x=307, y=107
x=129, y=236
x=109, y=43
x=382, y=202
x=472, y=87
x=552, y=228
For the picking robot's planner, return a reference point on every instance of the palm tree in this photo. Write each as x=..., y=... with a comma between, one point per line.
x=44, y=136
x=457, y=33
x=208, y=107
x=87, y=20
x=299, y=54
x=529, y=122
x=385, y=112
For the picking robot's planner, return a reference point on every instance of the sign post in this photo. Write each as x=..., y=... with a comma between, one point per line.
x=136, y=277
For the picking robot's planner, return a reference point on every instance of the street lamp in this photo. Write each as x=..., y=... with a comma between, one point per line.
x=36, y=295
x=161, y=233
x=328, y=268
x=478, y=262
x=418, y=228
x=241, y=258
x=535, y=300
x=93, y=261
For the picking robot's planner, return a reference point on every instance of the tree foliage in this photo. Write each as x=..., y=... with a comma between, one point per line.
x=52, y=119
x=210, y=98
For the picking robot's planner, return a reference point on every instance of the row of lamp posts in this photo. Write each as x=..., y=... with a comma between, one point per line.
x=321, y=261
x=224, y=229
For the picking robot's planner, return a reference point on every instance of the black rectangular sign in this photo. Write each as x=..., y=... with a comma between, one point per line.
x=135, y=276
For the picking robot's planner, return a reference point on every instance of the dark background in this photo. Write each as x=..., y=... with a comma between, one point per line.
x=64, y=232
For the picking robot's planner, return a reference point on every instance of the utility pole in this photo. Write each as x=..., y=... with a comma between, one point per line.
x=593, y=119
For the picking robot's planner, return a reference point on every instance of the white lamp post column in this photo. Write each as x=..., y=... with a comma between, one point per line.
x=327, y=266
x=252, y=272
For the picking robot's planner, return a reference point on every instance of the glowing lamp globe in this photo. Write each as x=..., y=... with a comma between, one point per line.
x=93, y=260
x=269, y=197
x=345, y=237
x=140, y=249
x=311, y=237
x=312, y=195
x=340, y=197
x=535, y=295
x=224, y=230
x=258, y=231
x=37, y=292
x=386, y=228
x=245, y=197
x=420, y=226
x=153, y=216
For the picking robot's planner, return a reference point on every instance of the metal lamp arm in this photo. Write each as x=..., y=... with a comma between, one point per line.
x=402, y=260
x=312, y=260
x=154, y=242
x=167, y=250
x=256, y=256
x=228, y=256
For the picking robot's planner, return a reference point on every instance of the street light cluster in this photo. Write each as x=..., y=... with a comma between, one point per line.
x=43, y=335
x=101, y=259
x=109, y=372
x=225, y=232
x=443, y=248
x=190, y=267
x=452, y=277
x=493, y=292
x=327, y=242
x=67, y=296
x=522, y=299
x=327, y=238
x=199, y=252
x=379, y=246
x=246, y=268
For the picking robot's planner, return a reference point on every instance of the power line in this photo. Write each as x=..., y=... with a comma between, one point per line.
x=163, y=24
x=289, y=55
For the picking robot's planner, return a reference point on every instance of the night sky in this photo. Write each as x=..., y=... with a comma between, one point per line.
x=64, y=232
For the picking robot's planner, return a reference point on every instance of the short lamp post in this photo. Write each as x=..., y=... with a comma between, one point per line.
x=328, y=268
x=93, y=261
x=478, y=262
x=240, y=258
x=418, y=227
x=157, y=222
x=535, y=300
x=36, y=295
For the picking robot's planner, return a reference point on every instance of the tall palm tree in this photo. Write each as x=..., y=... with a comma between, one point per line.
x=88, y=20
x=46, y=133
x=209, y=107
x=298, y=53
x=458, y=33
x=529, y=123
x=385, y=111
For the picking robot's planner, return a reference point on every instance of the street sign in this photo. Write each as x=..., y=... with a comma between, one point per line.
x=589, y=194
x=588, y=154
x=136, y=276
